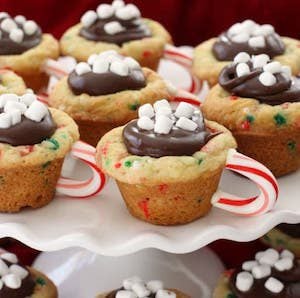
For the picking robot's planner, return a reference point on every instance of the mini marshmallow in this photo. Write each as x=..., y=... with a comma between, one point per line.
x=113, y=28
x=131, y=63
x=155, y=285
x=165, y=294
x=186, y=124
x=20, y=19
x=273, y=67
x=12, y=281
x=274, y=285
x=240, y=38
x=128, y=12
x=241, y=57
x=163, y=125
x=248, y=26
x=8, y=25
x=161, y=103
x=235, y=29
x=257, y=42
x=89, y=18
x=284, y=264
x=36, y=112
x=267, y=79
x=242, y=69
x=126, y=294
x=4, y=15
x=184, y=110
x=118, y=4
x=140, y=290
x=3, y=268
x=146, y=110
x=100, y=66
x=145, y=123
x=105, y=54
x=82, y=68
x=92, y=59
x=1, y=284
x=244, y=281
x=135, y=12
x=286, y=70
x=19, y=271
x=267, y=29
x=249, y=265
x=16, y=35
x=16, y=116
x=166, y=111
x=105, y=11
x=270, y=257
x=12, y=105
x=28, y=99
x=287, y=254
x=4, y=98
x=5, y=120
x=119, y=68
x=30, y=27
x=127, y=283
x=258, y=255
x=261, y=271
x=260, y=60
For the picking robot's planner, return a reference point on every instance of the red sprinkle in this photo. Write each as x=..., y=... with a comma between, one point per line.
x=233, y=97
x=147, y=54
x=246, y=125
x=26, y=150
x=143, y=205
x=105, y=149
x=118, y=165
x=229, y=272
x=163, y=188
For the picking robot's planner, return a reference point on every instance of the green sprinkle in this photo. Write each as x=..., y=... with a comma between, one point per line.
x=54, y=143
x=279, y=119
x=280, y=242
x=292, y=145
x=200, y=161
x=40, y=281
x=250, y=118
x=46, y=165
x=107, y=162
x=267, y=238
x=133, y=106
x=128, y=163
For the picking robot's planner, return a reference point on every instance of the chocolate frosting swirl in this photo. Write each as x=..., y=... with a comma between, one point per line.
x=28, y=132
x=292, y=230
x=290, y=279
x=96, y=84
x=10, y=47
x=284, y=90
x=134, y=29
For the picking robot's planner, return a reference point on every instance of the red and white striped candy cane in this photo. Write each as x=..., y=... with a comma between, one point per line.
x=187, y=97
x=55, y=68
x=88, y=187
x=257, y=173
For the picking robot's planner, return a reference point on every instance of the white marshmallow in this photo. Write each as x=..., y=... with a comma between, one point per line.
x=163, y=125
x=20, y=19
x=100, y=66
x=1, y=284
x=260, y=60
x=36, y=112
x=117, y=4
x=113, y=28
x=248, y=26
x=267, y=79
x=146, y=110
x=3, y=15
x=126, y=294
x=270, y=257
x=127, y=283
x=186, y=124
x=242, y=69
x=257, y=42
x=240, y=38
x=3, y=268
x=18, y=270
x=258, y=255
x=16, y=116
x=241, y=57
x=28, y=99
x=155, y=285
x=286, y=70
x=92, y=59
x=4, y=98
x=108, y=53
x=140, y=290
x=235, y=29
x=8, y=25
x=12, y=105
x=273, y=67
x=89, y=18
x=244, y=281
x=248, y=266
x=10, y=257
x=12, y=281
x=145, y=123
x=161, y=103
x=165, y=294
x=267, y=29
x=184, y=110
x=261, y=271
x=30, y=27
x=166, y=111
x=284, y=264
x=16, y=35
x=105, y=11
x=274, y=285
x=119, y=68
x=135, y=12
x=287, y=254
x=82, y=68
x=128, y=12
x=131, y=63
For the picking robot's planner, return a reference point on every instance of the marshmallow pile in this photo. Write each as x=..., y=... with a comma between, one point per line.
x=16, y=28
x=108, y=61
x=14, y=107
x=135, y=287
x=117, y=9
x=261, y=267
x=11, y=275
x=270, y=68
x=250, y=32
x=163, y=120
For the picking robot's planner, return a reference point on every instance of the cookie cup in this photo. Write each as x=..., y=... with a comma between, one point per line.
x=30, y=63
x=168, y=190
x=11, y=83
x=146, y=51
x=207, y=68
x=96, y=115
x=28, y=174
x=268, y=134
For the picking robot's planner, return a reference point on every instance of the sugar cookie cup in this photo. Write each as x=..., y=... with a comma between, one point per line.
x=11, y=82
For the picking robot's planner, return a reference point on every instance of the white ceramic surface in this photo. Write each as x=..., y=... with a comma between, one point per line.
x=82, y=274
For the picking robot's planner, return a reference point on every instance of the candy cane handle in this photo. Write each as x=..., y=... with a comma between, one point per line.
x=257, y=173
x=86, y=188
x=54, y=68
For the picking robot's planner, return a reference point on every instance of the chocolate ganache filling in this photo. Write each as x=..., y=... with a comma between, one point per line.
x=117, y=24
x=18, y=35
x=248, y=37
x=292, y=230
x=167, y=135
x=269, y=83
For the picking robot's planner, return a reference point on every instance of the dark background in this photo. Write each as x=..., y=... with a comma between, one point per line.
x=189, y=21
